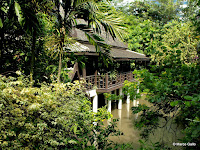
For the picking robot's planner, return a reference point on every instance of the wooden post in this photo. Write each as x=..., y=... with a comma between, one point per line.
x=84, y=72
x=78, y=72
x=106, y=80
x=84, y=76
x=95, y=78
x=131, y=75
x=115, y=92
x=120, y=78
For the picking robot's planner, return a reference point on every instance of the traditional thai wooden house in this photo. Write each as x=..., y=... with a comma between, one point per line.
x=99, y=77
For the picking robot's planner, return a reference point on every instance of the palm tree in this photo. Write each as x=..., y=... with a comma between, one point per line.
x=96, y=14
x=26, y=13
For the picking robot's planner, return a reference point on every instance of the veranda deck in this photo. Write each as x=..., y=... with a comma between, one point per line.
x=107, y=82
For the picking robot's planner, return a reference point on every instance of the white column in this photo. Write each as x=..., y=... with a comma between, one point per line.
x=120, y=116
x=136, y=116
x=115, y=92
x=120, y=101
x=134, y=103
x=128, y=99
x=94, y=96
x=109, y=104
x=95, y=103
x=137, y=103
x=109, y=121
x=134, y=100
x=128, y=109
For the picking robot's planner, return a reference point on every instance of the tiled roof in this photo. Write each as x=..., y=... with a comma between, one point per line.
x=116, y=53
x=80, y=35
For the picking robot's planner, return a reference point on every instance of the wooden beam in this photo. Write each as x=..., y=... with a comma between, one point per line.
x=106, y=80
x=95, y=78
x=85, y=53
x=84, y=72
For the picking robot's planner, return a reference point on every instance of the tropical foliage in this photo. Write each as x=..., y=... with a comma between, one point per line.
x=171, y=82
x=54, y=116
x=42, y=110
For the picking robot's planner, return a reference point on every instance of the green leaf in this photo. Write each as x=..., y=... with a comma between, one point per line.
x=26, y=58
x=176, y=84
x=188, y=104
x=178, y=51
x=21, y=54
x=4, y=9
x=75, y=128
x=72, y=142
x=18, y=12
x=1, y=24
x=174, y=103
x=187, y=97
x=195, y=133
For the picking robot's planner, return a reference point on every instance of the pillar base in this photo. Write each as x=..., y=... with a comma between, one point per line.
x=120, y=101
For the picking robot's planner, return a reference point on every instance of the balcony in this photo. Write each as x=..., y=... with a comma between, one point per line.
x=107, y=82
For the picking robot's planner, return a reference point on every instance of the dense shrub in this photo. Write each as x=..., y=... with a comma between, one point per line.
x=54, y=116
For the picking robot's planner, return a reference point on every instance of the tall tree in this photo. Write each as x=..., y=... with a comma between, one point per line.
x=156, y=10
x=95, y=13
x=25, y=13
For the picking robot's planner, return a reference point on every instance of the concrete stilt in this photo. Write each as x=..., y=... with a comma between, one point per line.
x=128, y=99
x=136, y=116
x=93, y=94
x=115, y=92
x=95, y=103
x=109, y=110
x=134, y=103
x=109, y=121
x=137, y=103
x=120, y=116
x=120, y=101
x=109, y=106
x=128, y=109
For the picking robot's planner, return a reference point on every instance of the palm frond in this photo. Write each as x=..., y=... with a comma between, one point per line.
x=54, y=44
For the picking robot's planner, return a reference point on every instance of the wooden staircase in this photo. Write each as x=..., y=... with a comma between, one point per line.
x=72, y=71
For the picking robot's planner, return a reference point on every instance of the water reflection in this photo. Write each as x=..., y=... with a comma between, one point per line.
x=126, y=125
x=128, y=110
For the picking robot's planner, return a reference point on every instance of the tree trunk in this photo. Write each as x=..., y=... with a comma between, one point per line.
x=32, y=57
x=2, y=42
x=59, y=67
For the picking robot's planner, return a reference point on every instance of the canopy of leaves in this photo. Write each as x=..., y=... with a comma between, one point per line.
x=178, y=39
x=160, y=11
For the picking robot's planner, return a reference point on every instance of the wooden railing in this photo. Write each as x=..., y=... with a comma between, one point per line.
x=107, y=81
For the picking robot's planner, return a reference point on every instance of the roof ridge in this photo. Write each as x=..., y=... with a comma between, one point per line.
x=135, y=52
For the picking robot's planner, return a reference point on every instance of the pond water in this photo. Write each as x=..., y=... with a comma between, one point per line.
x=131, y=135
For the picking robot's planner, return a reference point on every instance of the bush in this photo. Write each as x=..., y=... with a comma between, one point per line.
x=54, y=116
